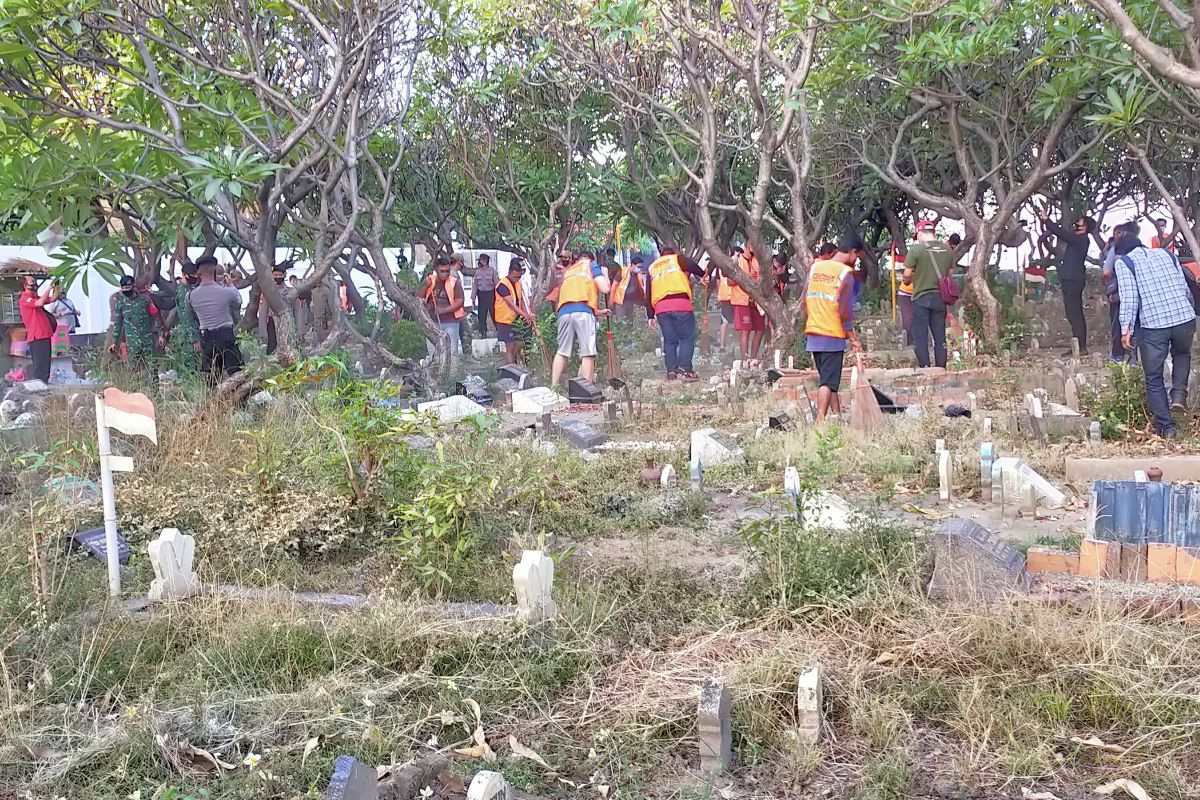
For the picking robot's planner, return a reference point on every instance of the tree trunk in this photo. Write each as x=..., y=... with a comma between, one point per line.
x=978, y=285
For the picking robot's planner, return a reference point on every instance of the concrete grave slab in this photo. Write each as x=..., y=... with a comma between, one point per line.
x=972, y=563
x=809, y=710
x=481, y=348
x=488, y=785
x=580, y=434
x=171, y=556
x=538, y=400
x=715, y=726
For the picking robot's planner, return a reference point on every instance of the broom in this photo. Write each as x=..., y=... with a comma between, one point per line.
x=541, y=343
x=614, y=366
x=866, y=416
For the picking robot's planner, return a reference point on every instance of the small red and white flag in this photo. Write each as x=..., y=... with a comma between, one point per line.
x=130, y=413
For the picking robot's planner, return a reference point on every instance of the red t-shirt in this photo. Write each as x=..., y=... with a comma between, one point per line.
x=37, y=321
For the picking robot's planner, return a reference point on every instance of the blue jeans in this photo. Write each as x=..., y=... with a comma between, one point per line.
x=679, y=339
x=1155, y=344
x=929, y=318
x=452, y=330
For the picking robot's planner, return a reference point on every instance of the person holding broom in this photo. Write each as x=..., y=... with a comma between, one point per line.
x=510, y=304
x=669, y=307
x=829, y=301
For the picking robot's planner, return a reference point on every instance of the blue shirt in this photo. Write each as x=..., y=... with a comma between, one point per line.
x=574, y=308
x=1154, y=292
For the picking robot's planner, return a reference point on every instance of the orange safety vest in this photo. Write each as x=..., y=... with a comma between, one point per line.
x=618, y=293
x=1157, y=243
x=578, y=286
x=667, y=278
x=1192, y=267
x=724, y=290
x=451, y=287
x=749, y=265
x=500, y=310
x=822, y=300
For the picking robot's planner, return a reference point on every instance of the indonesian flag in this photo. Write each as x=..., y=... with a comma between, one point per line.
x=130, y=413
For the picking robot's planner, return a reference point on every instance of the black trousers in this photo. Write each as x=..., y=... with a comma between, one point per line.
x=485, y=308
x=219, y=353
x=929, y=320
x=1073, y=305
x=39, y=351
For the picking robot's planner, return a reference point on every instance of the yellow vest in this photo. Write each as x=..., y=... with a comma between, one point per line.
x=667, y=277
x=826, y=281
x=724, y=290
x=578, y=286
x=500, y=310
x=749, y=265
x=451, y=290
x=618, y=294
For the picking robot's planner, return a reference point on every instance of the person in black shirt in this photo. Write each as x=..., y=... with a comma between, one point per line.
x=1072, y=272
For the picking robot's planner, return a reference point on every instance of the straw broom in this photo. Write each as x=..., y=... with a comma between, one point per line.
x=866, y=416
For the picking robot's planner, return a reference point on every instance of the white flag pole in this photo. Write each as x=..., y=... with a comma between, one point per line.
x=110, y=501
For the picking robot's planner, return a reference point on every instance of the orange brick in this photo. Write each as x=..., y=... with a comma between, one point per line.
x=1187, y=565
x=1133, y=562
x=1093, y=558
x=1048, y=559
x=1162, y=563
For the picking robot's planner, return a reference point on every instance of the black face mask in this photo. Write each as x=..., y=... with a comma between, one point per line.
x=127, y=292
x=191, y=280
x=279, y=281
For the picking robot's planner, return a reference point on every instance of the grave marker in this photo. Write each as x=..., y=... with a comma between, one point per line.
x=452, y=408
x=945, y=475
x=716, y=734
x=533, y=580
x=711, y=447
x=1071, y=391
x=580, y=434
x=987, y=426
x=1094, y=434
x=1074, y=347
x=667, y=478
x=808, y=705
x=538, y=400
x=610, y=411
x=696, y=473
x=171, y=556
x=987, y=455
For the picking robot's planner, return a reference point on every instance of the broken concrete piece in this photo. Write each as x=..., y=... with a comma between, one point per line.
x=352, y=780
x=987, y=454
x=715, y=725
x=696, y=474
x=809, y=705
x=533, y=580
x=35, y=387
x=1072, y=394
x=791, y=482
x=488, y=785
x=481, y=348
x=538, y=400
x=1094, y=436
x=451, y=409
x=171, y=556
x=711, y=447
x=972, y=563
x=1018, y=474
x=823, y=510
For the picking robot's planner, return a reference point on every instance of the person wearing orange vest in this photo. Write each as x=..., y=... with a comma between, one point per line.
x=509, y=305
x=627, y=293
x=577, y=299
x=748, y=320
x=724, y=293
x=444, y=299
x=669, y=307
x=904, y=299
x=829, y=301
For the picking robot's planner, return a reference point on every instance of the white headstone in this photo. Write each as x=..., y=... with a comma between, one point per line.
x=791, y=362
x=987, y=426
x=533, y=579
x=945, y=475
x=452, y=409
x=488, y=785
x=972, y=401
x=1071, y=390
x=667, y=477
x=791, y=482
x=778, y=358
x=826, y=511
x=1139, y=476
x=711, y=447
x=171, y=556
x=808, y=705
x=1094, y=436
x=939, y=445
x=696, y=473
x=538, y=400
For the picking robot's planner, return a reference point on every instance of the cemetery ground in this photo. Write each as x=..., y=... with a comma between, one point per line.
x=327, y=489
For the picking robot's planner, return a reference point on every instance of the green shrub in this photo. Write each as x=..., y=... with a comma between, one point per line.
x=1119, y=403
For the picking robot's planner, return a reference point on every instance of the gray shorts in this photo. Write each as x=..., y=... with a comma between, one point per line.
x=577, y=325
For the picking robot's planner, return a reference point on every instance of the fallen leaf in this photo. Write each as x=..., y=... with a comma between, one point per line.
x=524, y=752
x=309, y=747
x=913, y=508
x=368, y=733
x=1029, y=795
x=885, y=657
x=471, y=704
x=602, y=789
x=1131, y=788
x=480, y=749
x=201, y=753
x=1099, y=744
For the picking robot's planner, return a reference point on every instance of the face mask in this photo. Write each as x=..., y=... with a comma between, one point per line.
x=279, y=281
x=127, y=292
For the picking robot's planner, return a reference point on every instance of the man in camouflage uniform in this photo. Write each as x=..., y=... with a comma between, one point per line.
x=184, y=347
x=137, y=318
